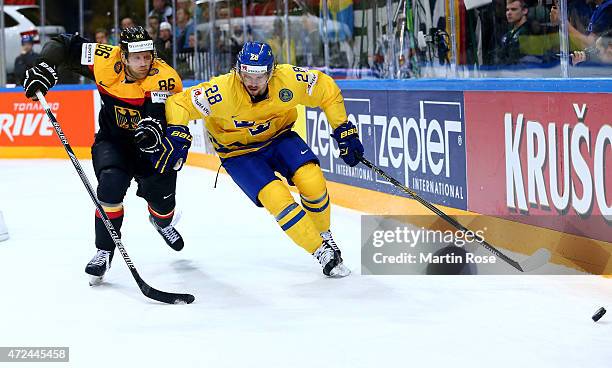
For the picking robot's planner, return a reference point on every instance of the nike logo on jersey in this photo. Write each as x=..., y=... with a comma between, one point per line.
x=168, y=196
x=102, y=84
x=303, y=152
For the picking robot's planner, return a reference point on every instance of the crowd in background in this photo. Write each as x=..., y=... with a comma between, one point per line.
x=496, y=35
x=507, y=37
x=532, y=34
x=160, y=27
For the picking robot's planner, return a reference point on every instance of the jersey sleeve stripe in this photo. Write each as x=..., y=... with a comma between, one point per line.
x=132, y=101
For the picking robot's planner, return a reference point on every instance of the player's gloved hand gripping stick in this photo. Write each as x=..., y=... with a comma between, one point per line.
x=167, y=150
x=351, y=149
x=536, y=260
x=39, y=78
x=148, y=291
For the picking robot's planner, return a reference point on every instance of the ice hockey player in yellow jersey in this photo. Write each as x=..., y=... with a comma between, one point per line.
x=249, y=114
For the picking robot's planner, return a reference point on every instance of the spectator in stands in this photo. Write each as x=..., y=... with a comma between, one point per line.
x=599, y=23
x=278, y=43
x=184, y=28
x=162, y=10
x=163, y=43
x=601, y=20
x=127, y=22
x=101, y=36
x=186, y=5
x=153, y=28
x=26, y=59
x=516, y=14
x=578, y=12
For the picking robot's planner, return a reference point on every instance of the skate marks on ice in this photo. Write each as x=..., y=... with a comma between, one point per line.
x=210, y=290
x=264, y=284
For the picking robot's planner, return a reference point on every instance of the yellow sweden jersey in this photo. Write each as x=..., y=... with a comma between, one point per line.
x=237, y=125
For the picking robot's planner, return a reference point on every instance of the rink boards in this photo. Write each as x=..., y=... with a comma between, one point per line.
x=537, y=162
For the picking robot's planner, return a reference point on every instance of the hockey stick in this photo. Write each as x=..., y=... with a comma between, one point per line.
x=536, y=260
x=148, y=291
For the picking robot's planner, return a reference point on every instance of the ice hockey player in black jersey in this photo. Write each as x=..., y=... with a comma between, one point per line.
x=133, y=85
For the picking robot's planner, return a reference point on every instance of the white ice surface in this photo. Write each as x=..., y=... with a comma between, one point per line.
x=260, y=300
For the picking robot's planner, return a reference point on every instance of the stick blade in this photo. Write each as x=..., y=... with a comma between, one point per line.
x=536, y=260
x=169, y=298
x=162, y=296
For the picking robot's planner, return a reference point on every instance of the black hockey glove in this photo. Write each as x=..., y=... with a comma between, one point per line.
x=351, y=149
x=148, y=135
x=41, y=77
x=173, y=151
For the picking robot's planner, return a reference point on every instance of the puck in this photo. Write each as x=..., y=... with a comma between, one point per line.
x=600, y=312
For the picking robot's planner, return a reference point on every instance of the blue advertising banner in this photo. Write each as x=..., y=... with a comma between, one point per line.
x=416, y=136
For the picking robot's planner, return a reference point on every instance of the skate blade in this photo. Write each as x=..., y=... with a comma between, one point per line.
x=339, y=271
x=95, y=280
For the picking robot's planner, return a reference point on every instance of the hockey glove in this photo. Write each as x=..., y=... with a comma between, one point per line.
x=351, y=149
x=173, y=150
x=148, y=135
x=41, y=77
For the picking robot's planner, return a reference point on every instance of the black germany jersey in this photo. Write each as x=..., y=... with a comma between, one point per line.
x=123, y=103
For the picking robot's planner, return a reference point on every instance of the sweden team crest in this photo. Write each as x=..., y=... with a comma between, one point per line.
x=285, y=95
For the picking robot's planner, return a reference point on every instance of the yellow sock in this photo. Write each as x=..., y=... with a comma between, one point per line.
x=310, y=182
x=290, y=216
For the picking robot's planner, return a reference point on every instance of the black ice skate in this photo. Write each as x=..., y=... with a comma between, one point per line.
x=330, y=258
x=98, y=266
x=169, y=233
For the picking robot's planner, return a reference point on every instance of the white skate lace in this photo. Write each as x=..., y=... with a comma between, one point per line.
x=325, y=253
x=100, y=258
x=327, y=236
x=169, y=233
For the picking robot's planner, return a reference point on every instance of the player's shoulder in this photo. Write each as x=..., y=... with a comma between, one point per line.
x=287, y=71
x=227, y=80
x=106, y=59
x=299, y=79
x=160, y=69
x=103, y=53
x=224, y=84
x=162, y=77
x=216, y=96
